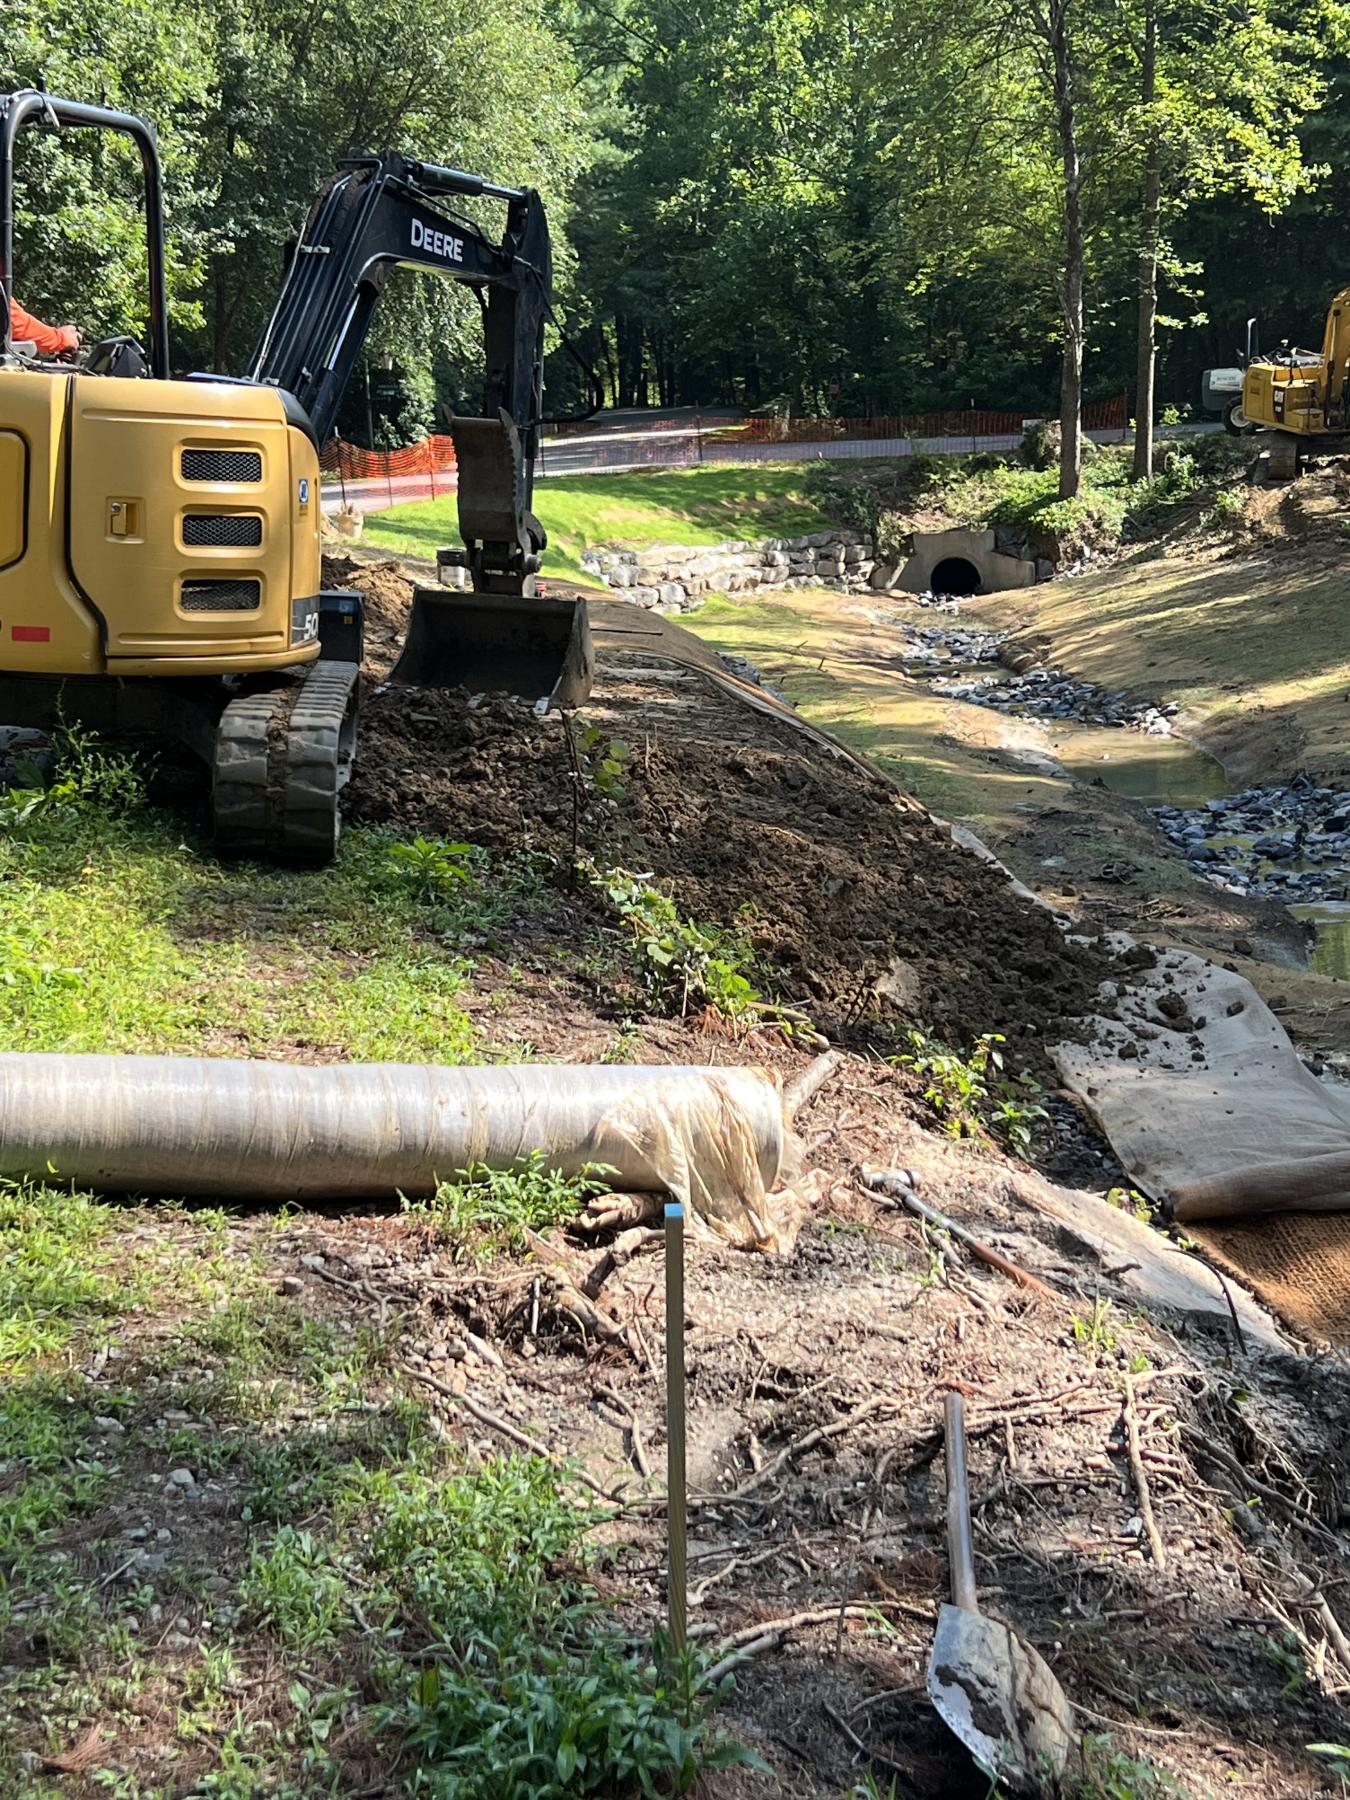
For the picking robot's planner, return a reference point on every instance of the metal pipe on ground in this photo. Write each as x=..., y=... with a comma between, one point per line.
x=281, y=1131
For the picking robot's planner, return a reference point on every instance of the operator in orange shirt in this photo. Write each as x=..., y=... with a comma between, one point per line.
x=48, y=340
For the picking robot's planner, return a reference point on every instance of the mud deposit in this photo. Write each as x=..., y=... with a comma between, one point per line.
x=860, y=903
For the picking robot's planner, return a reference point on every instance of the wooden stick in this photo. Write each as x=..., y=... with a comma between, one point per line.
x=804, y=1087
x=1340, y=1643
x=890, y=1183
x=817, y=1615
x=1155, y=1542
x=677, y=1519
x=866, y=1750
x=1254, y=1485
x=621, y=1406
x=818, y=1435
x=508, y=1430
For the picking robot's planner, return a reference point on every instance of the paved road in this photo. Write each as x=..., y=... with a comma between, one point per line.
x=620, y=446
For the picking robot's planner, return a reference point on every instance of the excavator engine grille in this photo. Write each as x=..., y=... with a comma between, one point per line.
x=239, y=531
x=221, y=596
x=222, y=465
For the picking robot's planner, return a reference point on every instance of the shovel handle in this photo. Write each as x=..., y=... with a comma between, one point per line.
x=960, y=1553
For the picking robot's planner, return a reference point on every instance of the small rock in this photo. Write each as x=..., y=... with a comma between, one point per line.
x=290, y=1284
x=114, y=1427
x=181, y=1478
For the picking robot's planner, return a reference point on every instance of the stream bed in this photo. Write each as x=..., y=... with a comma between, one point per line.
x=1289, y=843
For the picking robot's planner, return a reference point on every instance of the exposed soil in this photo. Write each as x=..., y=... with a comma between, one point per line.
x=860, y=902
x=815, y=1382
x=816, y=1473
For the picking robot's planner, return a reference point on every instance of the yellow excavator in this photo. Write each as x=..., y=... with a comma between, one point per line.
x=160, y=536
x=1301, y=397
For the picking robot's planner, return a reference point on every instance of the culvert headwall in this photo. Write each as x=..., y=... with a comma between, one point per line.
x=962, y=562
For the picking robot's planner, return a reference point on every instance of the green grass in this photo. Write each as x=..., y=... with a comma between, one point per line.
x=489, y=1212
x=350, y=1591
x=702, y=505
x=383, y=1600
x=117, y=936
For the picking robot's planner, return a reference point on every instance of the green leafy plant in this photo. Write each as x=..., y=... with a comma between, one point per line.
x=433, y=868
x=1130, y=1200
x=1337, y=1755
x=972, y=1095
x=1286, y=1653
x=1228, y=506
x=1111, y=1774
x=102, y=776
x=602, y=760
x=487, y=1212
x=681, y=962
x=296, y=1591
x=598, y=764
x=1097, y=1332
x=536, y=1693
x=88, y=777
x=26, y=812
x=23, y=966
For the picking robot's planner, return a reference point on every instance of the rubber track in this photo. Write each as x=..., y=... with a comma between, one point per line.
x=282, y=759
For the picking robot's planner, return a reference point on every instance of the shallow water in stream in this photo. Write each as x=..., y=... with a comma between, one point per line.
x=1160, y=771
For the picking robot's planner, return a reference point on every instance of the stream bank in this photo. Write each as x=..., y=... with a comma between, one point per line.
x=1076, y=808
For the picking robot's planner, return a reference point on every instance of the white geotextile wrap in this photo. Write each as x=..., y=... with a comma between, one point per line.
x=713, y=1138
x=1219, y=1116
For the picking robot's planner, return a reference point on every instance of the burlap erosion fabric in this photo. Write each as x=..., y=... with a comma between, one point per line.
x=1297, y=1264
x=1210, y=1109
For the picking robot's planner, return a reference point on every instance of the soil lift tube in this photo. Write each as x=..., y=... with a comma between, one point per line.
x=281, y=1131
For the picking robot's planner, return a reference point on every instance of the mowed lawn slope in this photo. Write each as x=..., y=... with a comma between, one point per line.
x=702, y=505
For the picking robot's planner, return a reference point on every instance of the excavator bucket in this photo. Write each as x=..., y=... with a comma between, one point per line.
x=498, y=642
x=524, y=644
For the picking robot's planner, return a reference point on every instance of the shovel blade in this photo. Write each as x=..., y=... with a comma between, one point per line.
x=524, y=644
x=998, y=1696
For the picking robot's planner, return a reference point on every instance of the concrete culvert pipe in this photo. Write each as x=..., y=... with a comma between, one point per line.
x=957, y=576
x=280, y=1131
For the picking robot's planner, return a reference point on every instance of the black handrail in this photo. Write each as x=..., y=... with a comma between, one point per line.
x=15, y=111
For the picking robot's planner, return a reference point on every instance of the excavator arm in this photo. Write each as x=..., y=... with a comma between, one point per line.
x=374, y=216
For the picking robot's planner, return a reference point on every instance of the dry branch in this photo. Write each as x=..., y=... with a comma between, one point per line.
x=818, y=1434
x=520, y=1438
x=889, y=1183
x=1155, y=1542
x=803, y=1088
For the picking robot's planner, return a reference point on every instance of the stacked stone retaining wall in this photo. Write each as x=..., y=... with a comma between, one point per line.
x=676, y=577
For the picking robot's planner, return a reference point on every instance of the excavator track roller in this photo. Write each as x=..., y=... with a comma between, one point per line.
x=536, y=647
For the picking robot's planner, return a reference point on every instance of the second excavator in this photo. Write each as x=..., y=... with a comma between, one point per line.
x=160, y=567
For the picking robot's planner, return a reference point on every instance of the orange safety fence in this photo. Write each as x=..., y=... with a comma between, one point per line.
x=415, y=472
x=1099, y=415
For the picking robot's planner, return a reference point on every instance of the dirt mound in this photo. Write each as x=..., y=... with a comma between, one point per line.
x=862, y=905
x=388, y=595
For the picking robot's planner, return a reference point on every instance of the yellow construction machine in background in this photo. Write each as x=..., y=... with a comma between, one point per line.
x=1301, y=397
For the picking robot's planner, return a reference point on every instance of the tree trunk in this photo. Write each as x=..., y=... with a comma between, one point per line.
x=1148, y=257
x=1071, y=374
